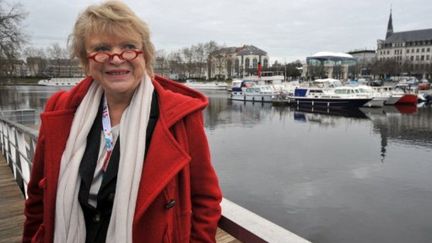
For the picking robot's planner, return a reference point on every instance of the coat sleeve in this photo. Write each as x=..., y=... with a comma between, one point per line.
x=205, y=191
x=34, y=204
x=33, y=210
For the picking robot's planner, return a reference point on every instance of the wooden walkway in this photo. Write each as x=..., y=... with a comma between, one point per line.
x=11, y=206
x=12, y=209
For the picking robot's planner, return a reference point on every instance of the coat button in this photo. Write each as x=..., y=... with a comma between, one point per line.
x=111, y=196
x=170, y=204
x=96, y=218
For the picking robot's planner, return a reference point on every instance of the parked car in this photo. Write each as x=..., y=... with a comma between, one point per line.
x=376, y=82
x=424, y=84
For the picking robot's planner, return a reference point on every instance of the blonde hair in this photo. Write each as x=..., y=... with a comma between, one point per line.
x=110, y=17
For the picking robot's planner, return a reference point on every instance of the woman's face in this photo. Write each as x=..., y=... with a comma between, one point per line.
x=118, y=77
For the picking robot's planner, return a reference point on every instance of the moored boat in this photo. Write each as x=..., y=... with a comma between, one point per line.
x=254, y=93
x=316, y=97
x=60, y=81
x=206, y=85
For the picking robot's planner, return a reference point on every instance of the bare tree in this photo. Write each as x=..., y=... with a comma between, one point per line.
x=11, y=37
x=58, y=60
x=36, y=60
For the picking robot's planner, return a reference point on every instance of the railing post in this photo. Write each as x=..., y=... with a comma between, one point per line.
x=22, y=160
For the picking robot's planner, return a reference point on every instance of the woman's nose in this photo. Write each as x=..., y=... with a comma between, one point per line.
x=116, y=57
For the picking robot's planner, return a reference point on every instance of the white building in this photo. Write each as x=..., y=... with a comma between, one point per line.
x=328, y=65
x=412, y=47
x=235, y=62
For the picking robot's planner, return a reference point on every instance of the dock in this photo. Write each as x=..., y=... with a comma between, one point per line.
x=11, y=206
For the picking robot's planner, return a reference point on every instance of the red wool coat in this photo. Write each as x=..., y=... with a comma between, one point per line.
x=179, y=195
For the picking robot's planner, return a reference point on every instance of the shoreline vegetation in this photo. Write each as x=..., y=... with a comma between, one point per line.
x=19, y=81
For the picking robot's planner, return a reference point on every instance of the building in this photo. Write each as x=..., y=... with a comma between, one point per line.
x=235, y=62
x=410, y=49
x=328, y=65
x=365, y=59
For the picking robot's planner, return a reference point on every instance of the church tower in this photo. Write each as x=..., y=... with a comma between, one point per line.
x=389, y=26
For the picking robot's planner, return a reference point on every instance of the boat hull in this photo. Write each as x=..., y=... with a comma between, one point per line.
x=329, y=102
x=376, y=102
x=406, y=99
x=252, y=98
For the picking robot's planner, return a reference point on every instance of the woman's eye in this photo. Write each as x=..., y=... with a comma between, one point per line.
x=102, y=48
x=130, y=46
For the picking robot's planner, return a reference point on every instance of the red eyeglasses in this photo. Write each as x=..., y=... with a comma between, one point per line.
x=102, y=57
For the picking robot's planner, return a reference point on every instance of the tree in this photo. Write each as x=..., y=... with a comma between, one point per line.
x=58, y=60
x=36, y=60
x=11, y=37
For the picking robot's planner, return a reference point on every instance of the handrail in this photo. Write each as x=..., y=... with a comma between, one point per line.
x=17, y=143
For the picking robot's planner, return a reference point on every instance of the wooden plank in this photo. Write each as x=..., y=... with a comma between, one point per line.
x=224, y=237
x=11, y=206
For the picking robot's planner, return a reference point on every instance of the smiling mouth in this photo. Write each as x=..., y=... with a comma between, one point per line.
x=117, y=72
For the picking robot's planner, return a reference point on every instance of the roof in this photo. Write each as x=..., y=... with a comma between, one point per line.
x=361, y=52
x=327, y=54
x=413, y=35
x=241, y=51
x=250, y=50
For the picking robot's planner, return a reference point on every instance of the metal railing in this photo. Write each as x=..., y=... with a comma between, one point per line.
x=18, y=144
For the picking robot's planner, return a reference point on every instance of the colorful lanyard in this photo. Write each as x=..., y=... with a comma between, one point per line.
x=107, y=132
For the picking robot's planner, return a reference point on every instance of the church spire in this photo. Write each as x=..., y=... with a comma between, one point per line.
x=389, y=26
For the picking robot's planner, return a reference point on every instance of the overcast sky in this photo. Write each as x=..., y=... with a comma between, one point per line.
x=286, y=30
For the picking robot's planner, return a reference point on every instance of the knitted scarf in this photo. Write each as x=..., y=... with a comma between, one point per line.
x=69, y=218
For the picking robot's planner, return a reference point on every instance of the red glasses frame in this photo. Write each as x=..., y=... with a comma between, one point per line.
x=102, y=57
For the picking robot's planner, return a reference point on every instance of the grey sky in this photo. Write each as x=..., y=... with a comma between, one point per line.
x=287, y=30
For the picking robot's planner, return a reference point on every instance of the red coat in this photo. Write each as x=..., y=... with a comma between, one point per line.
x=177, y=167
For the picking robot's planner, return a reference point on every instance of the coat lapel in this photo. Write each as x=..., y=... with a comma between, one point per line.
x=57, y=127
x=164, y=160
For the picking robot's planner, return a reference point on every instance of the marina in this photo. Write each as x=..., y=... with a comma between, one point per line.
x=328, y=175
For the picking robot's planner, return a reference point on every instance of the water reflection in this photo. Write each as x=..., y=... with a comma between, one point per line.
x=321, y=173
x=27, y=101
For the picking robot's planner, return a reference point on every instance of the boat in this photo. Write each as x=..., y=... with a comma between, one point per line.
x=254, y=93
x=60, y=81
x=401, y=97
x=317, y=97
x=257, y=88
x=206, y=85
x=378, y=98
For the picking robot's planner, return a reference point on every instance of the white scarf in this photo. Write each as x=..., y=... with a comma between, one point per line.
x=69, y=218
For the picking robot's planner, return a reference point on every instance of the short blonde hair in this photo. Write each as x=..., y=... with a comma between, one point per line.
x=110, y=17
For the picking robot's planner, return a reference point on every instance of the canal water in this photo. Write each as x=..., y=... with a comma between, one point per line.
x=330, y=177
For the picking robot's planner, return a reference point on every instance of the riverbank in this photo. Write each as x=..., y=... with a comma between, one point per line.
x=19, y=81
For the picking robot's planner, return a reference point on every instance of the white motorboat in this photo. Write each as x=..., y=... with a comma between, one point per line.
x=378, y=98
x=254, y=93
x=336, y=97
x=206, y=85
x=60, y=81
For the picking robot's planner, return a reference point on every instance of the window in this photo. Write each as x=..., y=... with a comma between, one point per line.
x=422, y=58
x=427, y=57
x=428, y=49
x=417, y=50
x=417, y=58
x=255, y=63
x=407, y=51
x=423, y=49
x=412, y=58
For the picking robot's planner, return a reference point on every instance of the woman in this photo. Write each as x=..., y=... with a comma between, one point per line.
x=121, y=157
